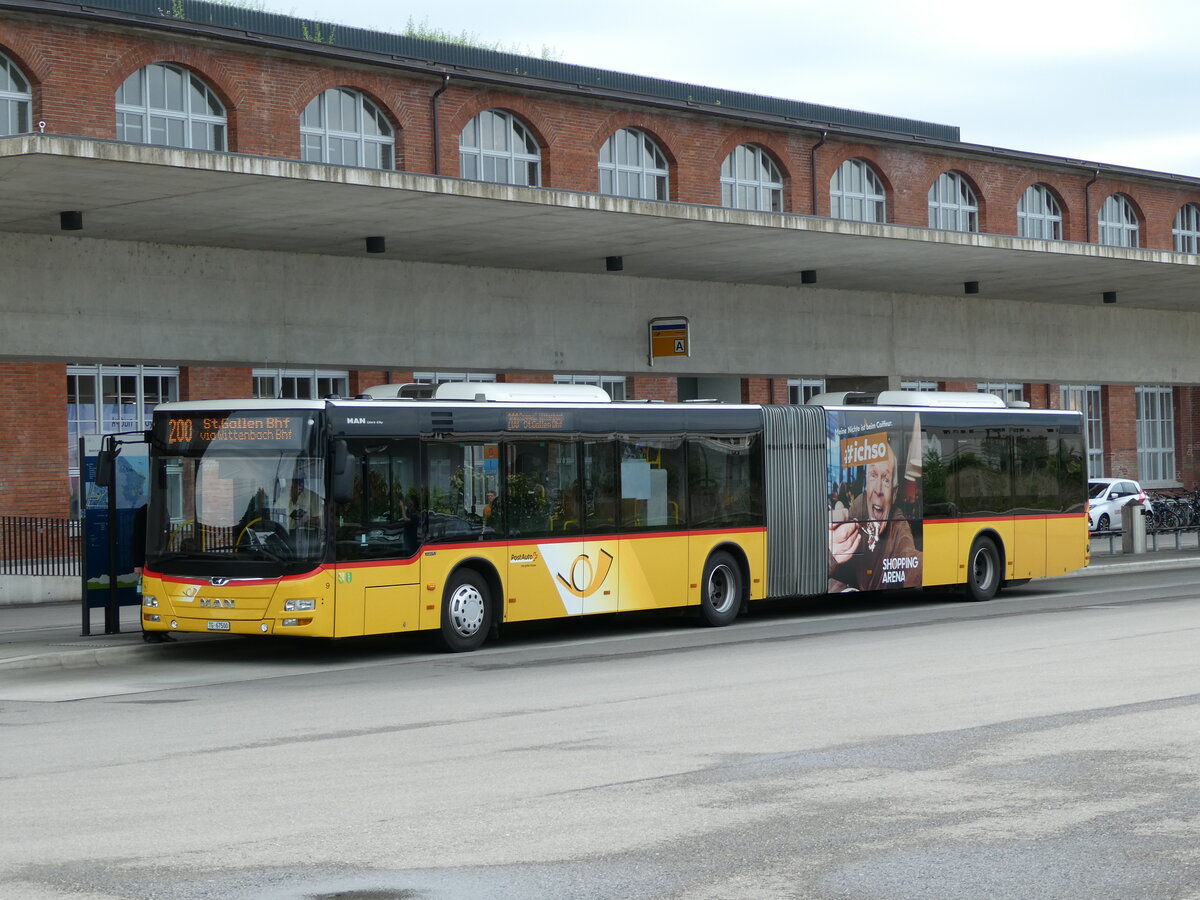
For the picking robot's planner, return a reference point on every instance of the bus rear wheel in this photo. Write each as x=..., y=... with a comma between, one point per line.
x=983, y=570
x=466, y=612
x=720, y=590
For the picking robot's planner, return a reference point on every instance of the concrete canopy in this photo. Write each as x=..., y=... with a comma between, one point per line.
x=160, y=195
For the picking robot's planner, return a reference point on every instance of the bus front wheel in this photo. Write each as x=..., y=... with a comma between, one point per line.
x=720, y=590
x=466, y=612
x=983, y=570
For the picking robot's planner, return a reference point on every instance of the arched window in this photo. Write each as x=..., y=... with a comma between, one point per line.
x=1187, y=229
x=1118, y=222
x=1038, y=214
x=751, y=180
x=856, y=193
x=169, y=106
x=495, y=146
x=952, y=204
x=631, y=165
x=15, y=98
x=344, y=128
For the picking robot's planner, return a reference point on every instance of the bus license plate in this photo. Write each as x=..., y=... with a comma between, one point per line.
x=218, y=626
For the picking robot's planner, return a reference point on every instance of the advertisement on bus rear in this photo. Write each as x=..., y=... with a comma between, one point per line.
x=875, y=529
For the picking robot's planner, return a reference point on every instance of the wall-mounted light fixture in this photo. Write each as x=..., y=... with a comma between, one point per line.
x=970, y=287
x=1110, y=296
x=71, y=220
x=808, y=276
x=376, y=244
x=614, y=263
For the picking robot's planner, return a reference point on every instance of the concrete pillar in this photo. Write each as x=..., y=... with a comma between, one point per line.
x=1118, y=404
x=214, y=382
x=1187, y=435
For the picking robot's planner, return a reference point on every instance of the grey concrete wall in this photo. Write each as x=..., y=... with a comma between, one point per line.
x=84, y=299
x=21, y=589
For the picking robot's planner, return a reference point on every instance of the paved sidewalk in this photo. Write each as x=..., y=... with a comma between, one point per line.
x=50, y=634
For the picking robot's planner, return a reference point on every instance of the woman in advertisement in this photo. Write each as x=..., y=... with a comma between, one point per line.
x=875, y=540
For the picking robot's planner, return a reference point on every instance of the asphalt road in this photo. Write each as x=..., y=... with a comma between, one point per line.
x=1046, y=744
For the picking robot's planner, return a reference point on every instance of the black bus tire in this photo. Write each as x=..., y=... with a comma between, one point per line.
x=721, y=590
x=466, y=612
x=983, y=570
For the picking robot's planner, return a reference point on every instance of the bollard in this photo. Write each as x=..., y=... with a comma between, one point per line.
x=1133, y=528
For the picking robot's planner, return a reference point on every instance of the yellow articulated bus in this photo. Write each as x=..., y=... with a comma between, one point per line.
x=486, y=504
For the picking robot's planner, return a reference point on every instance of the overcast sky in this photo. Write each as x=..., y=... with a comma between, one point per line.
x=1100, y=81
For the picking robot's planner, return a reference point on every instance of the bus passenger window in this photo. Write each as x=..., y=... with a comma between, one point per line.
x=541, y=491
x=724, y=482
x=462, y=480
x=600, y=486
x=652, y=484
x=383, y=518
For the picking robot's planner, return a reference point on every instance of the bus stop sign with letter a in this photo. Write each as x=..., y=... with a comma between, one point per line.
x=669, y=336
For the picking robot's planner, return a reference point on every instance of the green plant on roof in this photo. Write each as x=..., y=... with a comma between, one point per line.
x=317, y=34
x=426, y=32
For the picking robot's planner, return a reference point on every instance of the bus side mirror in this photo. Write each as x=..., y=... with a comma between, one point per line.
x=106, y=464
x=342, y=488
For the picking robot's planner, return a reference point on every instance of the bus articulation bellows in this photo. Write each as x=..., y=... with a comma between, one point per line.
x=488, y=504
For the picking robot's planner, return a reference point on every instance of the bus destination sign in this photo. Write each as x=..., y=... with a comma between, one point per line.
x=249, y=429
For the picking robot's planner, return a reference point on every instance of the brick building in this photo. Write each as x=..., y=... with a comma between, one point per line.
x=213, y=144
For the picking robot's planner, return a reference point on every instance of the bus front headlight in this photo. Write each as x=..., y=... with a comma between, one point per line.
x=150, y=600
x=298, y=605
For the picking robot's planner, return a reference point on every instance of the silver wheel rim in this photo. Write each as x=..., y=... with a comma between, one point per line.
x=982, y=569
x=466, y=610
x=722, y=588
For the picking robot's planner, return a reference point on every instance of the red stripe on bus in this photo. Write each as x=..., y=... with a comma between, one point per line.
x=975, y=519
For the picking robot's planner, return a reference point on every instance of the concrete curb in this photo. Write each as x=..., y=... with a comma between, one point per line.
x=75, y=658
x=1139, y=565
x=131, y=647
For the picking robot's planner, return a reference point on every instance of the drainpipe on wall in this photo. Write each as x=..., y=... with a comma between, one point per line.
x=437, y=131
x=812, y=168
x=1087, y=208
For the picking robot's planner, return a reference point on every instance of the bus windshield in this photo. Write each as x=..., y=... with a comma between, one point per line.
x=238, y=507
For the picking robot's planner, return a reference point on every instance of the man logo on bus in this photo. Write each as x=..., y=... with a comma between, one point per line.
x=583, y=581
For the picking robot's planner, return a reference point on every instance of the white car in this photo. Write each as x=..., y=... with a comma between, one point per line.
x=1106, y=496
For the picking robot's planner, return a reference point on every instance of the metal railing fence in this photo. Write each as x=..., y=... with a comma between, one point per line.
x=37, y=545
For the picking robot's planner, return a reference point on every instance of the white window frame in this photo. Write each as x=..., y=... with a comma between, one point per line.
x=128, y=411
x=498, y=148
x=1039, y=214
x=1118, y=222
x=137, y=116
x=1086, y=398
x=856, y=193
x=372, y=138
x=917, y=384
x=1156, y=435
x=633, y=165
x=1187, y=229
x=613, y=385
x=800, y=390
x=751, y=180
x=1008, y=391
x=16, y=99
x=953, y=205
x=443, y=377
x=295, y=384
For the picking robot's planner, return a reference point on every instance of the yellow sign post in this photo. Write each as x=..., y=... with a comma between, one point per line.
x=669, y=337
